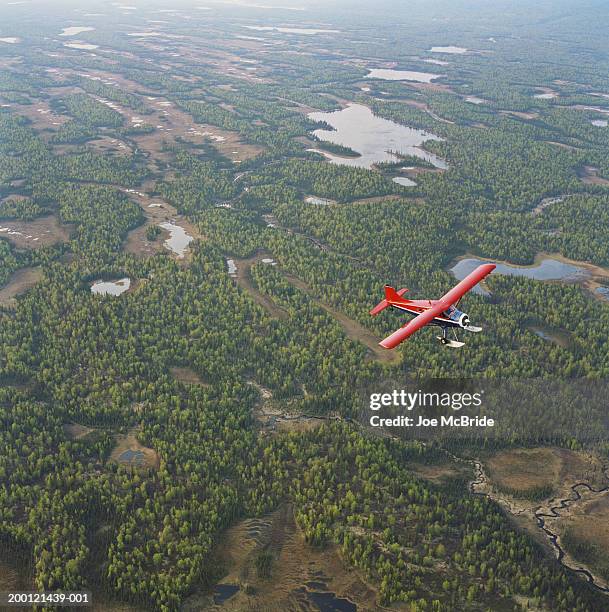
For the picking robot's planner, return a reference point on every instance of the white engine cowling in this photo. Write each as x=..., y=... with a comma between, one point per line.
x=463, y=320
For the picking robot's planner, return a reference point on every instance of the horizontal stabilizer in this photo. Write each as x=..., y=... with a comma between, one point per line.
x=379, y=307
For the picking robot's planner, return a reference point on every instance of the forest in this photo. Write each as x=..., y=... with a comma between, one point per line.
x=206, y=129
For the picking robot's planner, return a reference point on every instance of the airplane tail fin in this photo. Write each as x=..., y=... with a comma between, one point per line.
x=391, y=297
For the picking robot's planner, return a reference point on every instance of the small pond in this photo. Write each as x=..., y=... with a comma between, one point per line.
x=329, y=602
x=223, y=592
x=178, y=240
x=449, y=49
x=117, y=287
x=74, y=30
x=404, y=181
x=133, y=457
x=387, y=74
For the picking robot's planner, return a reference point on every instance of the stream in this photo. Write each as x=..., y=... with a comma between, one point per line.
x=553, y=537
x=481, y=479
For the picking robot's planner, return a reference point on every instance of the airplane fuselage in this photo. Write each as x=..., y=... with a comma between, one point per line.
x=452, y=317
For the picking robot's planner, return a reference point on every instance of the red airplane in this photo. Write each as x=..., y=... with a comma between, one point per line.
x=442, y=312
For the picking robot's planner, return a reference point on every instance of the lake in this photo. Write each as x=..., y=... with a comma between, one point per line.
x=474, y=100
x=145, y=34
x=603, y=292
x=178, y=240
x=318, y=201
x=596, y=109
x=74, y=30
x=600, y=122
x=111, y=287
x=450, y=49
x=546, y=94
x=404, y=181
x=306, y=31
x=81, y=46
x=359, y=129
x=222, y=592
x=133, y=457
x=549, y=334
x=437, y=62
x=545, y=270
x=403, y=75
x=329, y=602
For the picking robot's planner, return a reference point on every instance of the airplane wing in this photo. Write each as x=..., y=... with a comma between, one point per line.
x=453, y=296
x=420, y=321
x=470, y=281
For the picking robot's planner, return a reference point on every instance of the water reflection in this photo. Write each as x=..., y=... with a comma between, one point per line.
x=402, y=180
x=178, y=240
x=74, y=30
x=374, y=138
x=111, y=287
x=603, y=292
x=318, y=201
x=403, y=75
x=545, y=270
x=450, y=49
x=222, y=592
x=329, y=602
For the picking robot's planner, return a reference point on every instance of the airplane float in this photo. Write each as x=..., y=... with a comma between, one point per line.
x=442, y=313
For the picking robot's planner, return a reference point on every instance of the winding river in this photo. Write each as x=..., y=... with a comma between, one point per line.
x=481, y=479
x=553, y=537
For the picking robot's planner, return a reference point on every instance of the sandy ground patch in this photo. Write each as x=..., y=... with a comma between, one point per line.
x=525, y=470
x=352, y=328
x=562, y=145
x=108, y=145
x=186, y=375
x=128, y=451
x=437, y=473
x=244, y=280
x=40, y=114
x=589, y=525
x=520, y=114
x=589, y=175
x=74, y=431
x=19, y=283
x=12, y=577
x=156, y=211
x=296, y=571
x=35, y=234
